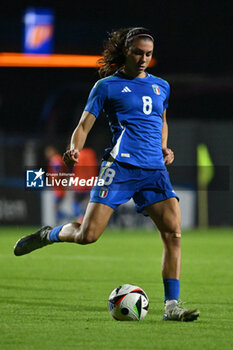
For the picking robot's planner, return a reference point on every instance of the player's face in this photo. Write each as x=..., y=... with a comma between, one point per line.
x=138, y=57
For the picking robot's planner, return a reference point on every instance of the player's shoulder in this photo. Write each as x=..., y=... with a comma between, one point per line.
x=159, y=81
x=104, y=81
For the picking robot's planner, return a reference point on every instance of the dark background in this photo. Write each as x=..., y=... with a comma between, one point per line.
x=193, y=50
x=191, y=36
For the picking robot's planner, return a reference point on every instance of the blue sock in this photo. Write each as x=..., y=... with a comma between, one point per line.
x=54, y=234
x=171, y=288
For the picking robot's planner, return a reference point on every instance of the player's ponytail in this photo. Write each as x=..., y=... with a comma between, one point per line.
x=113, y=55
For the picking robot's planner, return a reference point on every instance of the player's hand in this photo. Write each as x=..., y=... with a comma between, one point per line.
x=168, y=156
x=70, y=157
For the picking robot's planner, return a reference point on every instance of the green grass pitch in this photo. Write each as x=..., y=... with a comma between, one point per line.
x=56, y=297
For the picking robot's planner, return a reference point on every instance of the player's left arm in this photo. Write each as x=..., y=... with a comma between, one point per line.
x=168, y=154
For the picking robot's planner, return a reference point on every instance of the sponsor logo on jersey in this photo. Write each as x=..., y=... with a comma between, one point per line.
x=127, y=155
x=156, y=89
x=126, y=89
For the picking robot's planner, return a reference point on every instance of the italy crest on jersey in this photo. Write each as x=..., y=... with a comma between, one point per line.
x=156, y=89
x=103, y=192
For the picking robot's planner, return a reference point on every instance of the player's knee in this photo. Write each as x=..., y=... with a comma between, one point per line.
x=88, y=239
x=175, y=241
x=173, y=227
x=89, y=236
x=172, y=238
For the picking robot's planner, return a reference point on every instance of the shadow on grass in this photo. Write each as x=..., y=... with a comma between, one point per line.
x=38, y=289
x=75, y=307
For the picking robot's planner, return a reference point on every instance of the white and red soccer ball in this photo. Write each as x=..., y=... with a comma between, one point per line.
x=128, y=303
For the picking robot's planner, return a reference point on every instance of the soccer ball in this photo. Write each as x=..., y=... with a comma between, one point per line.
x=128, y=303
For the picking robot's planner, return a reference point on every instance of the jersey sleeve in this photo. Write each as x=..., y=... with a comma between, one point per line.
x=165, y=103
x=96, y=99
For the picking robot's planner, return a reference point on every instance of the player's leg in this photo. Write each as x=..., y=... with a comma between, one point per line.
x=98, y=213
x=95, y=220
x=166, y=216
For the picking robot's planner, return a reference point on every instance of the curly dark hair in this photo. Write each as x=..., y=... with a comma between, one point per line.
x=113, y=55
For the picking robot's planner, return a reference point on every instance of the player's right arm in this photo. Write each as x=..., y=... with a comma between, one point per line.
x=93, y=107
x=78, y=138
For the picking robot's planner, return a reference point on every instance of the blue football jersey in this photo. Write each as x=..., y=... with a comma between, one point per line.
x=134, y=109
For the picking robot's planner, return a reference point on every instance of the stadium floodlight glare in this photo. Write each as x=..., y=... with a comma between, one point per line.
x=11, y=59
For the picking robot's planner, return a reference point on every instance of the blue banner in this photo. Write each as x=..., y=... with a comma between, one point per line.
x=38, y=30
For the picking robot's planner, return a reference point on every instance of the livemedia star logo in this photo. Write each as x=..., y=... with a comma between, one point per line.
x=35, y=178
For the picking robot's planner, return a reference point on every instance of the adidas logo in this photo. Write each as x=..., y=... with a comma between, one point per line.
x=126, y=89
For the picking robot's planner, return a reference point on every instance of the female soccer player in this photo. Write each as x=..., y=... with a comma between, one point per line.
x=135, y=104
